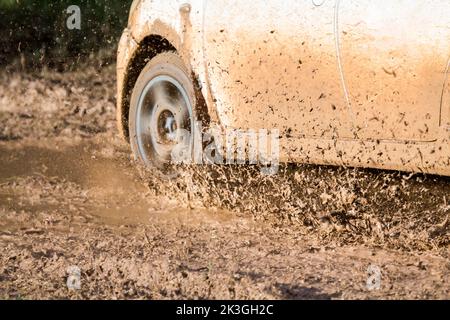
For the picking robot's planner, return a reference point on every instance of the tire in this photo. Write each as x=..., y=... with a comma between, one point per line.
x=162, y=102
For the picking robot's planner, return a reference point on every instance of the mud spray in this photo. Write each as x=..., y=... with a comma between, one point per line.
x=349, y=205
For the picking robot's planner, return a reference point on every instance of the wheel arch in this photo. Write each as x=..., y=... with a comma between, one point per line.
x=147, y=49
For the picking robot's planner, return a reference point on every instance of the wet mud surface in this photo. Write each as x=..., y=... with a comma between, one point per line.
x=71, y=195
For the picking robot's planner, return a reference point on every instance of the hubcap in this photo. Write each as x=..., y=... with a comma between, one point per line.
x=164, y=109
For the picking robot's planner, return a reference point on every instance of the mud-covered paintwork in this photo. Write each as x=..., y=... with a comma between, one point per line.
x=347, y=82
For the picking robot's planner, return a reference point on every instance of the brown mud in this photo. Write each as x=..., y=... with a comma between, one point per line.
x=70, y=195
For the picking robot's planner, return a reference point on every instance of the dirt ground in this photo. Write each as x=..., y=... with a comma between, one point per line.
x=71, y=196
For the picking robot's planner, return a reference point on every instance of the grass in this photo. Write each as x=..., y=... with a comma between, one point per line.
x=36, y=31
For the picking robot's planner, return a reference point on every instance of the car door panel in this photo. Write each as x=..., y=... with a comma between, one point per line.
x=393, y=56
x=273, y=64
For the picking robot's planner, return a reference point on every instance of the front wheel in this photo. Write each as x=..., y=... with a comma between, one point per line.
x=162, y=111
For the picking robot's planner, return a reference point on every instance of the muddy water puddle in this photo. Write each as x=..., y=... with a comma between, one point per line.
x=79, y=180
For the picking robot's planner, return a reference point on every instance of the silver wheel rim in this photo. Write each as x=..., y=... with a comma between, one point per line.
x=163, y=110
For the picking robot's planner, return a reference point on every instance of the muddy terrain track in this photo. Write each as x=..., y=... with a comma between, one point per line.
x=70, y=195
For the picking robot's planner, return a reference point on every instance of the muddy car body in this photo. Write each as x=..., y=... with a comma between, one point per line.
x=353, y=83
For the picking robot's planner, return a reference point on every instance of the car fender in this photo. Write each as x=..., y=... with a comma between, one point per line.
x=178, y=22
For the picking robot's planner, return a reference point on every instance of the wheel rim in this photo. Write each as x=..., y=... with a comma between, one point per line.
x=164, y=112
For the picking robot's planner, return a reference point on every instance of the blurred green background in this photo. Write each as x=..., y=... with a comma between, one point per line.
x=33, y=33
